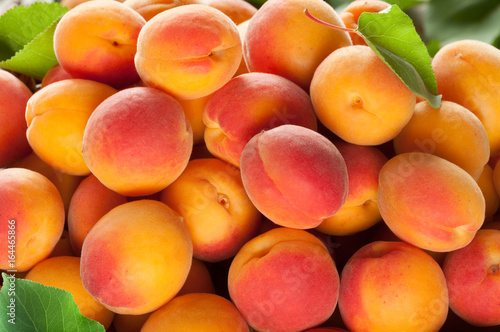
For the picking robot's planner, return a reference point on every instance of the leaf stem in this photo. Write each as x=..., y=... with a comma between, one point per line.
x=329, y=25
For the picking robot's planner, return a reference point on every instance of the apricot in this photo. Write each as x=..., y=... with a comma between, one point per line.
x=136, y=257
x=64, y=272
x=150, y=8
x=196, y=312
x=248, y=104
x=193, y=109
x=473, y=277
x=138, y=141
x=360, y=211
x=89, y=203
x=57, y=116
x=284, y=280
x=351, y=13
x=97, y=40
x=198, y=280
x=392, y=286
x=282, y=40
x=237, y=10
x=32, y=218
x=54, y=74
x=348, y=103
x=242, y=29
x=188, y=51
x=210, y=197
x=421, y=198
x=65, y=183
x=451, y=132
x=294, y=176
x=468, y=73
x=14, y=96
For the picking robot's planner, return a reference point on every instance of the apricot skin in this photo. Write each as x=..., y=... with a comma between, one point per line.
x=468, y=73
x=138, y=141
x=117, y=267
x=33, y=211
x=188, y=51
x=14, y=96
x=421, y=199
x=282, y=40
x=320, y=183
x=392, y=286
x=97, y=40
x=349, y=104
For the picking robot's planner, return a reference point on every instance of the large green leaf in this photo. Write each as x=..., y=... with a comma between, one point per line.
x=392, y=35
x=27, y=306
x=26, y=38
x=450, y=20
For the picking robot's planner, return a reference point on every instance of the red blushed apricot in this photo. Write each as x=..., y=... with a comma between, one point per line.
x=64, y=272
x=473, y=277
x=421, y=198
x=350, y=15
x=294, y=176
x=137, y=142
x=249, y=104
x=468, y=73
x=284, y=280
x=57, y=116
x=150, y=8
x=451, y=132
x=32, y=218
x=237, y=10
x=196, y=312
x=97, y=40
x=360, y=210
x=392, y=286
x=210, y=197
x=136, y=257
x=348, y=103
x=282, y=40
x=55, y=74
x=14, y=96
x=90, y=201
x=188, y=51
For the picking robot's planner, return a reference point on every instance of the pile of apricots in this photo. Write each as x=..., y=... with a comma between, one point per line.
x=204, y=165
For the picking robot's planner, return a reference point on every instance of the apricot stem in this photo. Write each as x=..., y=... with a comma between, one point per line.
x=329, y=25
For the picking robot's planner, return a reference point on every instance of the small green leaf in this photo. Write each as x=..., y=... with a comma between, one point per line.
x=27, y=306
x=392, y=35
x=26, y=38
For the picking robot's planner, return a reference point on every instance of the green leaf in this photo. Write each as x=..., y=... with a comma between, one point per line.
x=392, y=35
x=26, y=38
x=451, y=20
x=35, y=307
